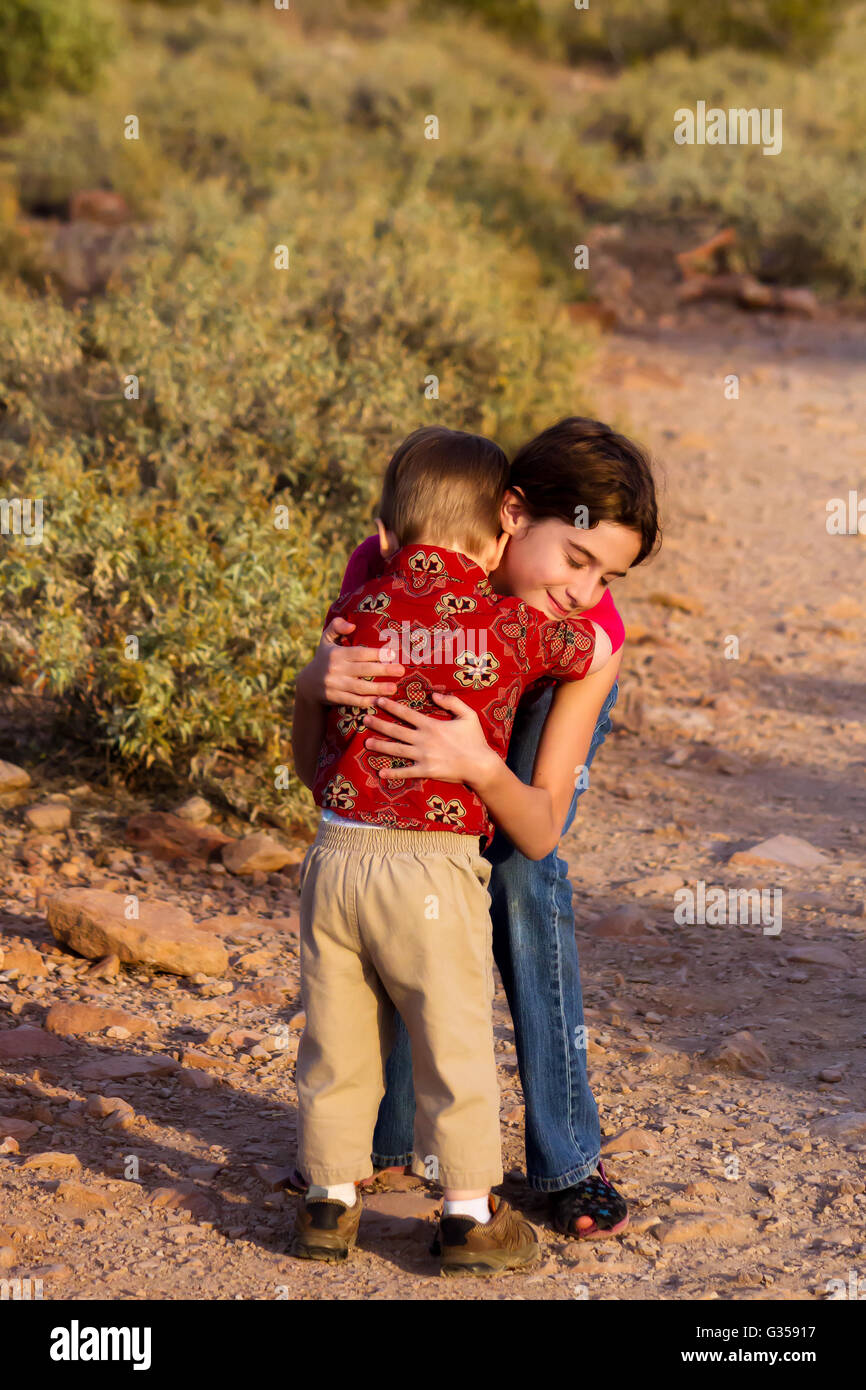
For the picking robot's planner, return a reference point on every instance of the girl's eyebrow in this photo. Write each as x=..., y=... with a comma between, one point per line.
x=617, y=574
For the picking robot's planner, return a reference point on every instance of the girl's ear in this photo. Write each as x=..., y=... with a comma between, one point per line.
x=513, y=510
x=388, y=543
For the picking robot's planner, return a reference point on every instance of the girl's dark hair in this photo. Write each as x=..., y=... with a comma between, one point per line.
x=580, y=463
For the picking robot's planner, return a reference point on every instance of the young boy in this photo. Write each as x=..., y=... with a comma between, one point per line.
x=394, y=902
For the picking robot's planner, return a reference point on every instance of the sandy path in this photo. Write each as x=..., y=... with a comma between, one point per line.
x=732, y=1192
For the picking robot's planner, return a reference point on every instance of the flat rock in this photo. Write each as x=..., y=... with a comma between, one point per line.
x=14, y=782
x=76, y=1200
x=48, y=816
x=168, y=837
x=634, y=1140
x=30, y=1041
x=741, y=1052
x=53, y=1161
x=74, y=1020
x=23, y=958
x=274, y=1177
x=195, y=809
x=103, y=1107
x=849, y=1126
x=786, y=850
x=816, y=954
x=93, y=923
x=185, y=1197
x=657, y=885
x=12, y=777
x=719, y=1227
x=203, y=1061
x=628, y=921
x=10, y=1127
x=254, y=853
x=119, y=1068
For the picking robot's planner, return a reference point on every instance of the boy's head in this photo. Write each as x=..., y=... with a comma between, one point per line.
x=445, y=487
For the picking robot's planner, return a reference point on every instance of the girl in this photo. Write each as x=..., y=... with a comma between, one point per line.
x=580, y=510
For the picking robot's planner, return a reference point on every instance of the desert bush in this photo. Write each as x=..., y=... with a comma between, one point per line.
x=619, y=33
x=46, y=44
x=256, y=387
x=800, y=213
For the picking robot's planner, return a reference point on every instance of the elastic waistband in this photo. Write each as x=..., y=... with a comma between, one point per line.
x=389, y=839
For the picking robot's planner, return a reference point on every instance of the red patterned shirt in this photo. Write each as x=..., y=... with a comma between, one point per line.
x=440, y=617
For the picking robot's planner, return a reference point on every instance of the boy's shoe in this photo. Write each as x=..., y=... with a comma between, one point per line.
x=325, y=1229
x=506, y=1242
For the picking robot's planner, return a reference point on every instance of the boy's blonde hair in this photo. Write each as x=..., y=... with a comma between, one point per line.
x=446, y=483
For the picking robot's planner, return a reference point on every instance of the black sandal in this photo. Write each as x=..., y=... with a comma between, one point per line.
x=596, y=1197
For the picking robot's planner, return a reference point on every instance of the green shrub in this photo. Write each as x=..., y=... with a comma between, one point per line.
x=622, y=32
x=46, y=44
x=258, y=386
x=801, y=213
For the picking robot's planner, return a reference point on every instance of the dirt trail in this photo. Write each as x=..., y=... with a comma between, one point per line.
x=740, y=1183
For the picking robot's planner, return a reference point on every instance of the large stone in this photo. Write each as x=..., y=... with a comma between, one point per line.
x=169, y=837
x=28, y=1041
x=73, y=1020
x=633, y=1140
x=94, y=923
x=48, y=816
x=741, y=1052
x=788, y=851
x=129, y=1065
x=185, y=1197
x=23, y=959
x=720, y=1227
x=53, y=1161
x=628, y=921
x=254, y=853
x=813, y=953
x=849, y=1126
x=196, y=810
x=14, y=782
x=17, y=1129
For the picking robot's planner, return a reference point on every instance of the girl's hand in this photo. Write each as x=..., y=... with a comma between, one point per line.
x=340, y=675
x=446, y=750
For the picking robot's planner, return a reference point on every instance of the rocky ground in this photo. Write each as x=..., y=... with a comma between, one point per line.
x=147, y=1117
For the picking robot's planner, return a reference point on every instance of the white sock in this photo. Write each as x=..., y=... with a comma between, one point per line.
x=340, y=1192
x=476, y=1207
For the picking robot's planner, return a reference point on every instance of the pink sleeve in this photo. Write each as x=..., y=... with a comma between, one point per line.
x=364, y=563
x=606, y=615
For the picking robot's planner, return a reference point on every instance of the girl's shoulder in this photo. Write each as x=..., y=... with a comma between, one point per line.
x=365, y=562
x=606, y=616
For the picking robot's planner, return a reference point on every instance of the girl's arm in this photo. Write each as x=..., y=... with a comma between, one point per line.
x=455, y=750
x=336, y=676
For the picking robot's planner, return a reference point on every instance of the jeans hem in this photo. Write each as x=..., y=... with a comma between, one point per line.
x=569, y=1179
x=391, y=1161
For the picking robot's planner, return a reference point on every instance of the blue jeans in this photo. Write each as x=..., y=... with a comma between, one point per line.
x=535, y=950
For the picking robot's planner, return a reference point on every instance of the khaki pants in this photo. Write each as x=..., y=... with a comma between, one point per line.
x=397, y=918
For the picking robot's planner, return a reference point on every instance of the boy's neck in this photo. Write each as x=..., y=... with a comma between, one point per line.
x=451, y=545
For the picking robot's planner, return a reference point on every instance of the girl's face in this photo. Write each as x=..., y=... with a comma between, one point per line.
x=557, y=567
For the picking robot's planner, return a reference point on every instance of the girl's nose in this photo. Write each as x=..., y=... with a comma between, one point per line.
x=585, y=594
